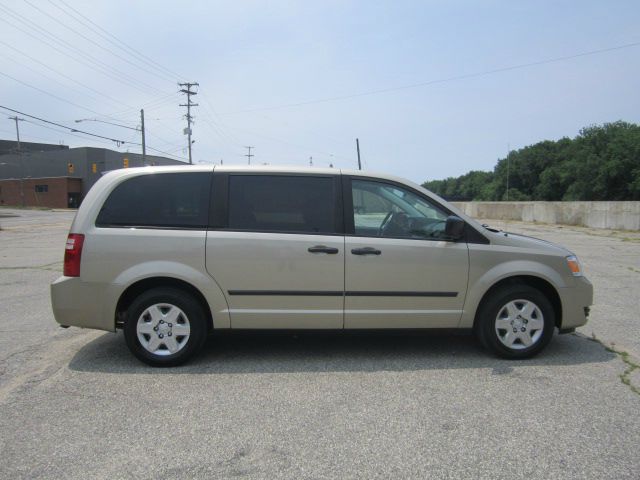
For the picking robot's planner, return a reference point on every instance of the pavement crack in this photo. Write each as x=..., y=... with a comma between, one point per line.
x=26, y=350
x=40, y=364
x=631, y=364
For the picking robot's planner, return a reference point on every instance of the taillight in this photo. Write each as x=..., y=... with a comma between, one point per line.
x=72, y=254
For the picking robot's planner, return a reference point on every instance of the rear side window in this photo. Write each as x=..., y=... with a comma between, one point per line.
x=280, y=203
x=160, y=200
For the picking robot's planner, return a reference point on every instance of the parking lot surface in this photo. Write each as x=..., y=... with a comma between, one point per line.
x=76, y=404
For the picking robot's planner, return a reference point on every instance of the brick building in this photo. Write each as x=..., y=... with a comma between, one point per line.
x=57, y=176
x=53, y=192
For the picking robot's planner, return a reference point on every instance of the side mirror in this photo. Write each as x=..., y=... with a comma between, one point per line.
x=454, y=228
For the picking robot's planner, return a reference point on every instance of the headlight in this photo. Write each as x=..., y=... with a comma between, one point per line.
x=574, y=265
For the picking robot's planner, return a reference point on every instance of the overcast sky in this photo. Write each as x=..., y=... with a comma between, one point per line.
x=274, y=75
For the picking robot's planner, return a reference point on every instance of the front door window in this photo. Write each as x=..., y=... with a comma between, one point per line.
x=384, y=210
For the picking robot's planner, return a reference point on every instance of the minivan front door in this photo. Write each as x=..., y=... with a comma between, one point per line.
x=400, y=271
x=277, y=250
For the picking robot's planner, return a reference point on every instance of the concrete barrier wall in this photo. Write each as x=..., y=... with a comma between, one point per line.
x=614, y=215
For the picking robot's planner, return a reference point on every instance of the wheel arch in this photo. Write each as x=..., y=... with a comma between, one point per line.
x=135, y=289
x=540, y=284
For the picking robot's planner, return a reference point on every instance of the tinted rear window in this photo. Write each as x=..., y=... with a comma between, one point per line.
x=282, y=203
x=170, y=200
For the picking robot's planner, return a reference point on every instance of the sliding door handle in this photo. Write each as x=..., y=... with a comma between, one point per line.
x=323, y=249
x=366, y=251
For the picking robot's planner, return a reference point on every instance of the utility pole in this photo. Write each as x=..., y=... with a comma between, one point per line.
x=19, y=152
x=144, y=145
x=358, y=148
x=188, y=92
x=17, y=119
x=249, y=154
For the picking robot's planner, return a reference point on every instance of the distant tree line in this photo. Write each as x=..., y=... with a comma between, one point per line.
x=601, y=163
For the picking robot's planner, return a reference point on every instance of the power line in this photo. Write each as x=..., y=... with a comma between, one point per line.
x=155, y=103
x=438, y=81
x=60, y=131
x=227, y=138
x=137, y=65
x=46, y=77
x=118, y=142
x=176, y=149
x=50, y=94
x=162, y=125
x=167, y=153
x=29, y=135
x=162, y=139
x=272, y=122
x=169, y=98
x=218, y=127
x=124, y=46
x=224, y=131
x=97, y=65
x=115, y=100
x=86, y=23
x=220, y=132
x=108, y=123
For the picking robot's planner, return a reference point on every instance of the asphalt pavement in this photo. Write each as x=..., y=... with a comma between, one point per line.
x=76, y=404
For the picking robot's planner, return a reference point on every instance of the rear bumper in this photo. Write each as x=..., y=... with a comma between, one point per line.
x=576, y=301
x=81, y=304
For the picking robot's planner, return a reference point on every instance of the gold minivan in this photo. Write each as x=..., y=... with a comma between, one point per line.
x=171, y=254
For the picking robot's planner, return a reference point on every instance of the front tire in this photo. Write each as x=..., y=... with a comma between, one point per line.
x=516, y=322
x=165, y=327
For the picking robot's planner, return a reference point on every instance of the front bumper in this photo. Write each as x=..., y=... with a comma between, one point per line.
x=81, y=304
x=576, y=301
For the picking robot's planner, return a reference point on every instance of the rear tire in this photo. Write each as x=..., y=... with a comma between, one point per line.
x=516, y=322
x=165, y=327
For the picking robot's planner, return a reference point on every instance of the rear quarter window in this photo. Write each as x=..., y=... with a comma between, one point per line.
x=159, y=200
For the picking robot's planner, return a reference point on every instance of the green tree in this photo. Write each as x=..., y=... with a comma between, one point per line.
x=601, y=163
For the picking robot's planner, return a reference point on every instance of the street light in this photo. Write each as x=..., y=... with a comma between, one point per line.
x=141, y=130
x=109, y=123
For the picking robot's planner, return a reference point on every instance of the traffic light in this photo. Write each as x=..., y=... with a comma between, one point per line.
x=94, y=168
x=70, y=167
x=125, y=162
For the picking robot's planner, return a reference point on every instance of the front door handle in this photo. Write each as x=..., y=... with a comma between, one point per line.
x=323, y=249
x=366, y=251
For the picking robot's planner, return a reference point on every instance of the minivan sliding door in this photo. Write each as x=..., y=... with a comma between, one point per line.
x=276, y=249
